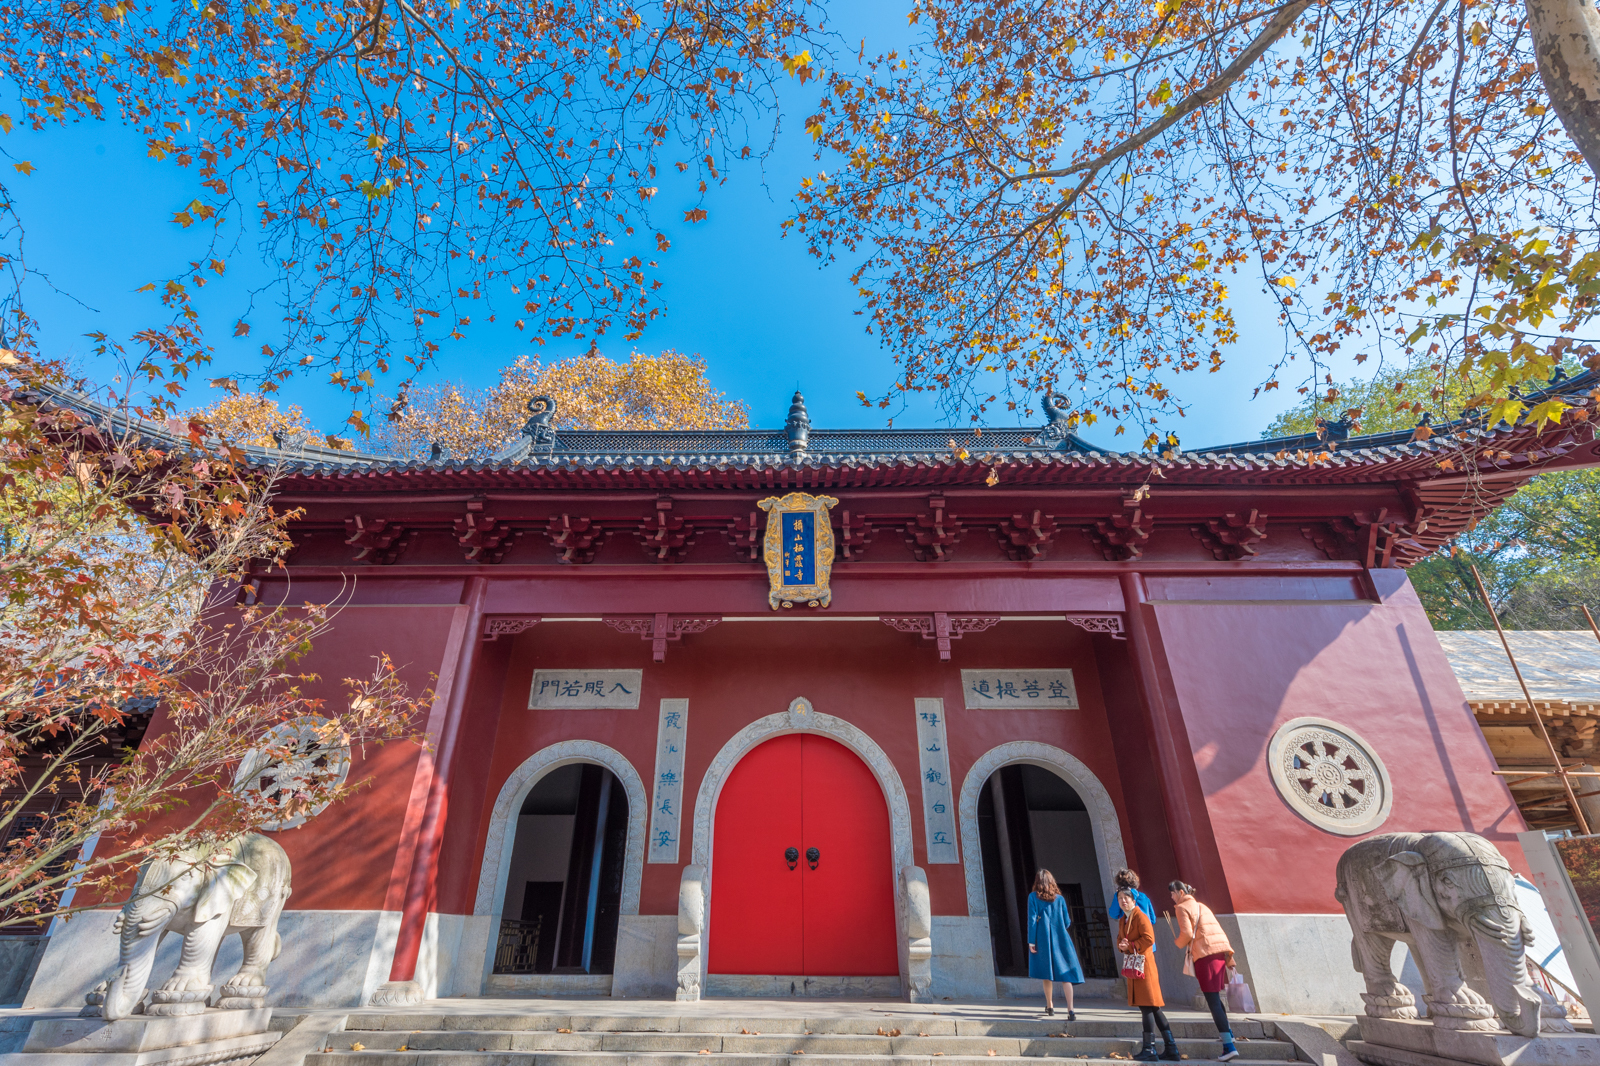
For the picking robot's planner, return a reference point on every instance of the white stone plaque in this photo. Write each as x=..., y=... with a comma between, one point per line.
x=584, y=690
x=666, y=809
x=938, y=797
x=1012, y=690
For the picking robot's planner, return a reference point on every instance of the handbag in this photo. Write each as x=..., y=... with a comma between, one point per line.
x=1133, y=966
x=1240, y=1001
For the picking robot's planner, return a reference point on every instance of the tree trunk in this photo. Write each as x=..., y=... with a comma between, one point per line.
x=1566, y=42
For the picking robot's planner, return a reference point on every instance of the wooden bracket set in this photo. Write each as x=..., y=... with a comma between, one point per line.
x=375, y=540
x=659, y=629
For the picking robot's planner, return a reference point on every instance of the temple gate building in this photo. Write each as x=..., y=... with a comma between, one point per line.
x=799, y=712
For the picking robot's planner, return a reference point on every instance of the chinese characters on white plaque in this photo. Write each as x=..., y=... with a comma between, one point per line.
x=938, y=795
x=1010, y=690
x=584, y=690
x=666, y=808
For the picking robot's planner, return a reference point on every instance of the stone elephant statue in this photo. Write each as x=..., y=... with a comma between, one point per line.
x=1450, y=897
x=237, y=886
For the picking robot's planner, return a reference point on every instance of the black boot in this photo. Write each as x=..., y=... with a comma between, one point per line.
x=1148, y=1052
x=1170, y=1052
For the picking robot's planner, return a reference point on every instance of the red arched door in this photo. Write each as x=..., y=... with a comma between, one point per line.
x=802, y=791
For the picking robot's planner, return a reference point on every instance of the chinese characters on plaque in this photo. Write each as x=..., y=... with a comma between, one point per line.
x=584, y=690
x=666, y=808
x=938, y=793
x=1010, y=690
x=798, y=549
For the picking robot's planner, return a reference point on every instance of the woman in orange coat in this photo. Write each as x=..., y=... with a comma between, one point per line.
x=1136, y=936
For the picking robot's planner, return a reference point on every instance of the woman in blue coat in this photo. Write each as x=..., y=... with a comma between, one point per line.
x=1051, y=956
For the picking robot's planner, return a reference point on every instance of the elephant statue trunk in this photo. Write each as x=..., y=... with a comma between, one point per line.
x=139, y=927
x=1498, y=936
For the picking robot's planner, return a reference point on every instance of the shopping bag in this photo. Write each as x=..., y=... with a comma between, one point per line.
x=1133, y=965
x=1239, y=999
x=1188, y=964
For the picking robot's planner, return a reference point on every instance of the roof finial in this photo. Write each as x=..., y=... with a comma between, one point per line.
x=798, y=425
x=538, y=428
x=1059, y=409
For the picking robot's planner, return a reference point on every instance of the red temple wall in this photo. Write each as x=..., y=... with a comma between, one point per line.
x=858, y=670
x=1241, y=669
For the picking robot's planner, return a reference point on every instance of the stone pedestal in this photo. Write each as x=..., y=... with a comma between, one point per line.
x=204, y=1039
x=1392, y=1042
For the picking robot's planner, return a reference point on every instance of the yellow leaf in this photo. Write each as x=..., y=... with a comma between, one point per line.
x=24, y=167
x=5, y=123
x=1286, y=281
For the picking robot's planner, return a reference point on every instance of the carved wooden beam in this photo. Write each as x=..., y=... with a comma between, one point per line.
x=508, y=625
x=375, y=540
x=1100, y=623
x=933, y=535
x=1233, y=536
x=575, y=539
x=659, y=629
x=665, y=538
x=1026, y=537
x=939, y=627
x=483, y=538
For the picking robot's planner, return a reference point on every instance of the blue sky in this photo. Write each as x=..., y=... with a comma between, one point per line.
x=755, y=305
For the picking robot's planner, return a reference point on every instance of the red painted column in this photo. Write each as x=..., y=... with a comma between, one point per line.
x=1174, y=762
x=422, y=884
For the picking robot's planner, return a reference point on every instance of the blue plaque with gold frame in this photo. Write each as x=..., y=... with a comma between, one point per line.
x=798, y=549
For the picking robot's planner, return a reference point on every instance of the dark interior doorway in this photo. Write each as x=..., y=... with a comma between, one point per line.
x=1029, y=818
x=564, y=888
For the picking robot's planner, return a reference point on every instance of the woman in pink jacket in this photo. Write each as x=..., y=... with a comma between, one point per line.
x=1210, y=955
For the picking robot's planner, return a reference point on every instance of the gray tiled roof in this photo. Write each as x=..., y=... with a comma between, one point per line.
x=1558, y=664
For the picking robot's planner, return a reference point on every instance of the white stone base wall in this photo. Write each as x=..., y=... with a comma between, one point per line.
x=1301, y=964
x=963, y=959
x=338, y=958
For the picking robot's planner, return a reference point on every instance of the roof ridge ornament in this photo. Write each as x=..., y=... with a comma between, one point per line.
x=797, y=427
x=1059, y=413
x=539, y=430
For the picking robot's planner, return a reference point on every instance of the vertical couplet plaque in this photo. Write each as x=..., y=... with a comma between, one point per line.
x=938, y=796
x=666, y=806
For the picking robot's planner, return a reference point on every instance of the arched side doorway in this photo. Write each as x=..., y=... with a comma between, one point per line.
x=803, y=718
x=1024, y=805
x=574, y=801
x=564, y=885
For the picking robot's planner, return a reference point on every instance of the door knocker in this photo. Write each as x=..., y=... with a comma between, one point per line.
x=792, y=857
x=813, y=856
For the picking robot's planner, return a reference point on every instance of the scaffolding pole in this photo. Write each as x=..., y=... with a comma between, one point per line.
x=1538, y=720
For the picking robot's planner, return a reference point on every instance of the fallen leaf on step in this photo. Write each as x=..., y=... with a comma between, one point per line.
x=922, y=1034
x=882, y=1031
x=563, y=1030
x=992, y=1052
x=894, y=1032
x=358, y=1046
x=404, y=1048
x=705, y=1051
x=743, y=1030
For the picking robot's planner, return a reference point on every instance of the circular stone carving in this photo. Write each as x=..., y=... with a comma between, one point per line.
x=295, y=758
x=1329, y=776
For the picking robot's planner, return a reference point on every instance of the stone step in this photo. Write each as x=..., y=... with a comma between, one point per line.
x=1125, y=1026
x=816, y=1044
x=601, y=1058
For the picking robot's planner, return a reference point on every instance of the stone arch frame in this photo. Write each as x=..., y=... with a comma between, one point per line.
x=502, y=835
x=802, y=718
x=1103, y=820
